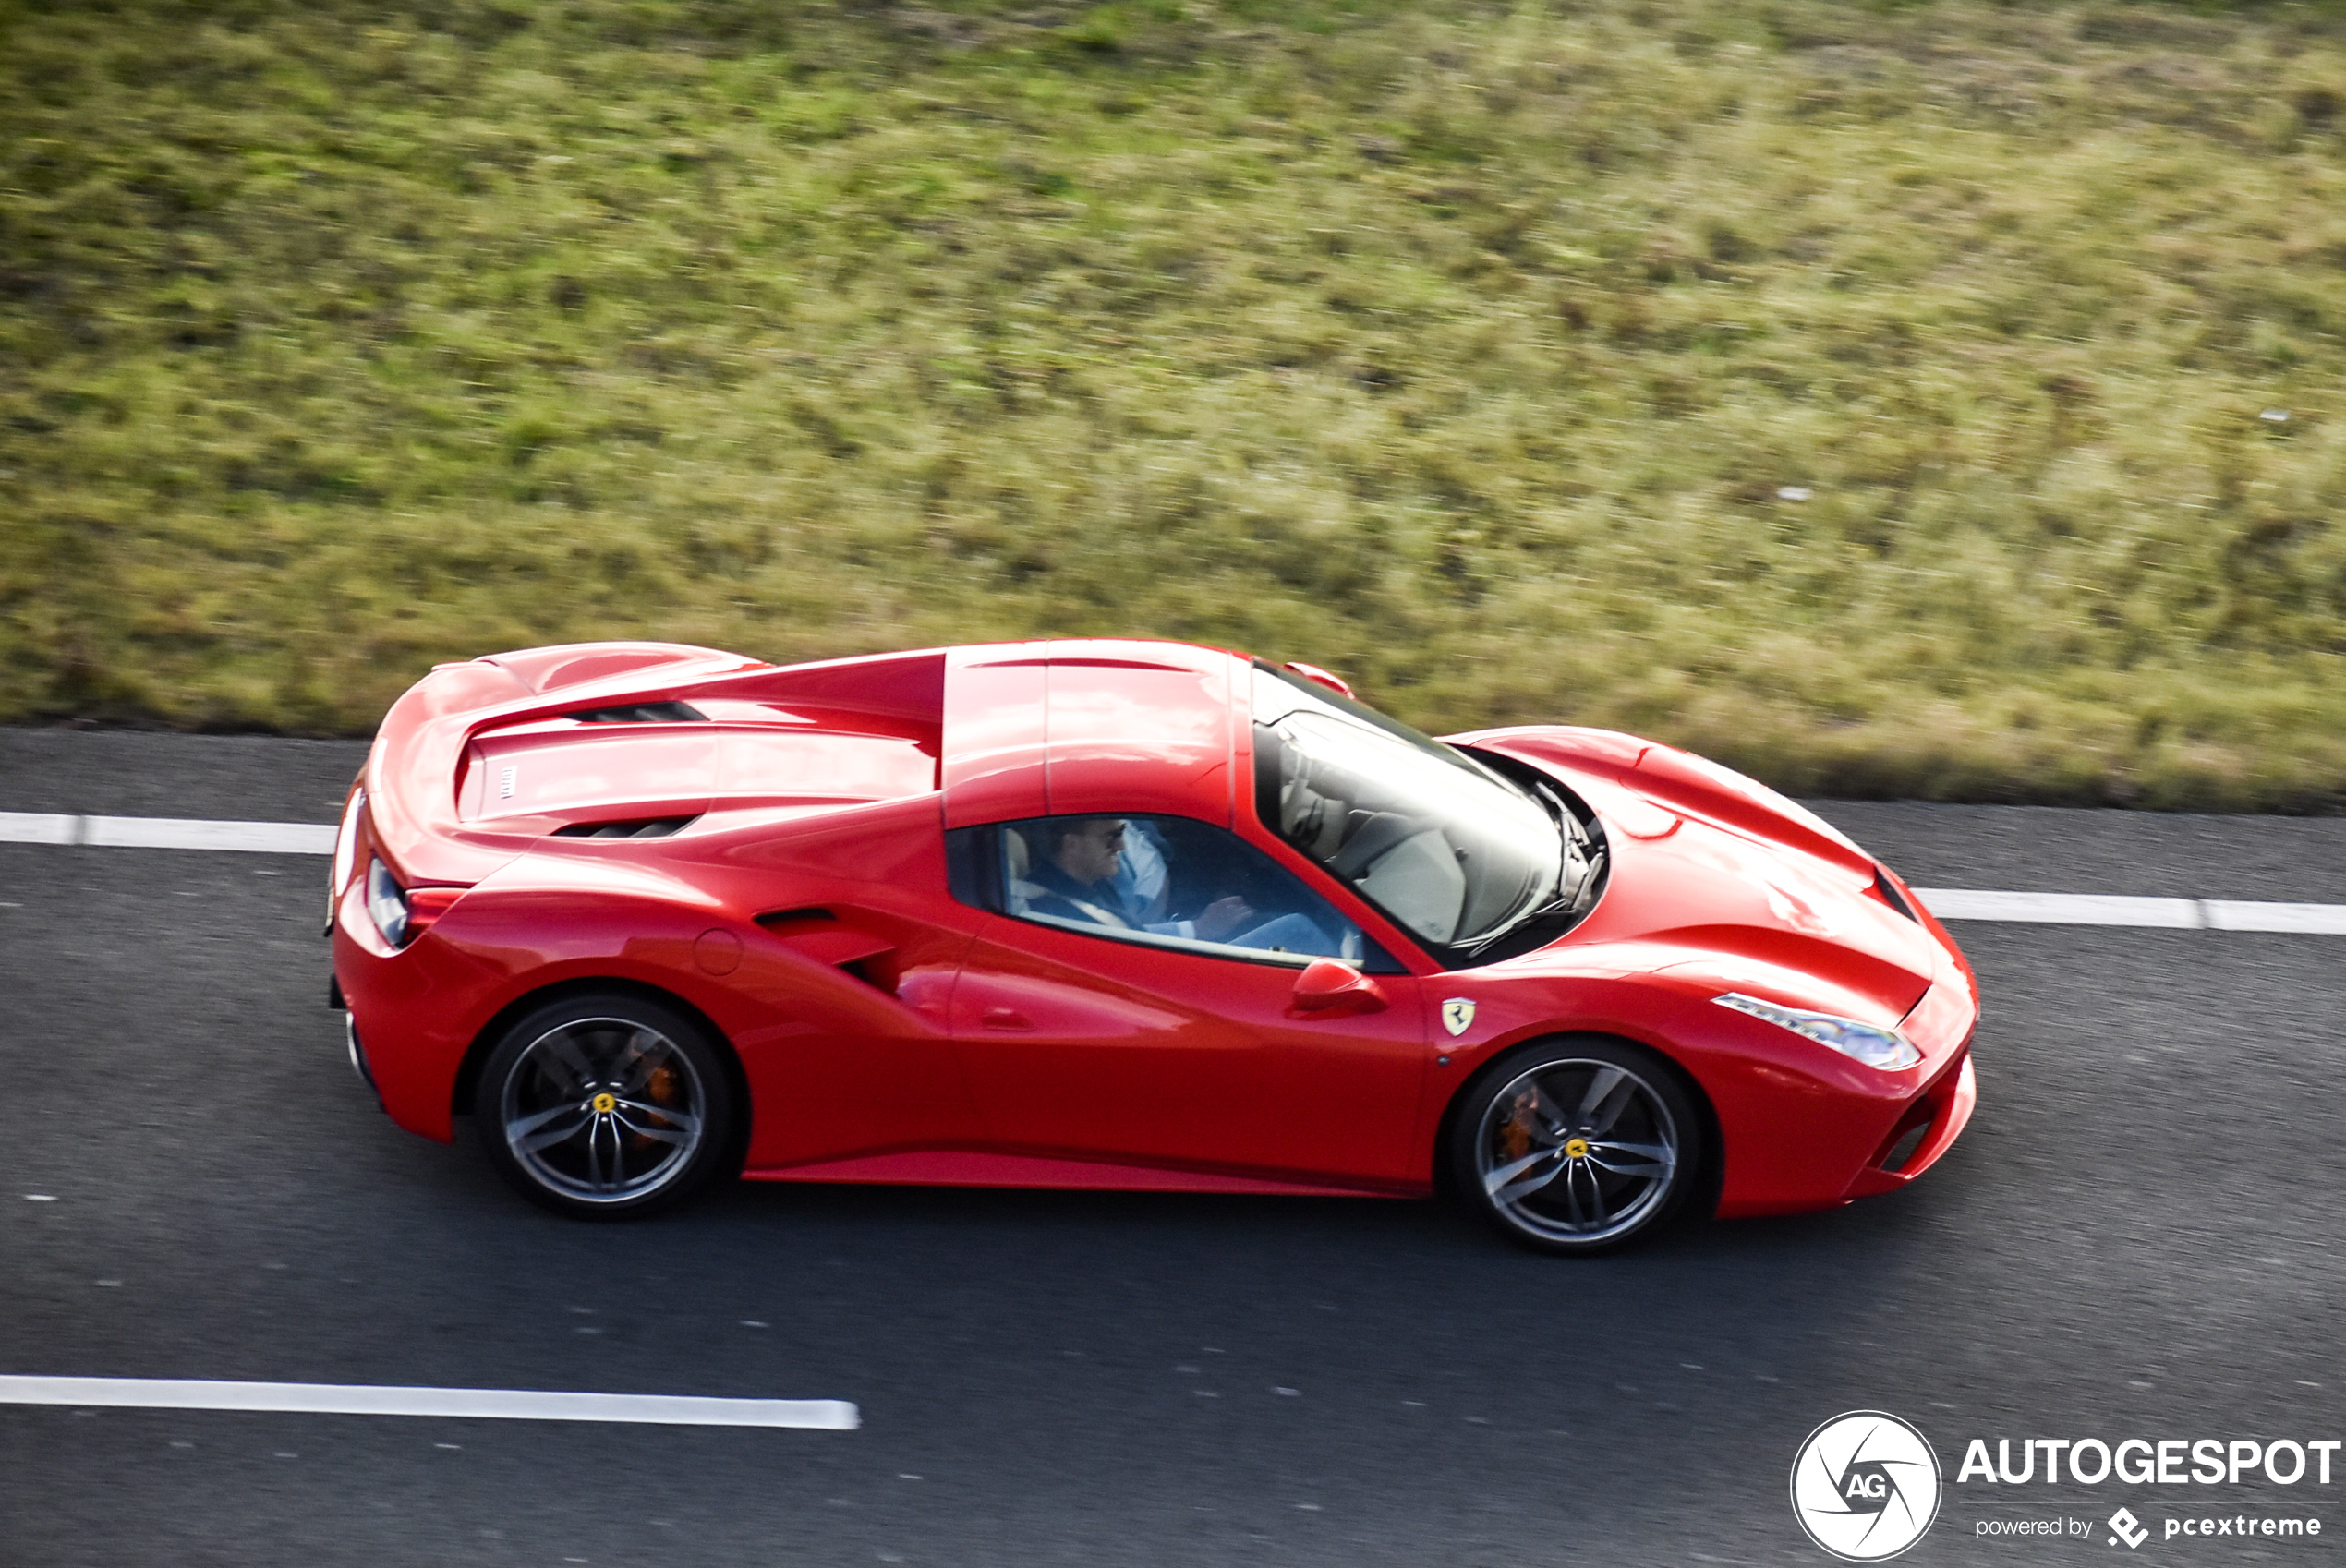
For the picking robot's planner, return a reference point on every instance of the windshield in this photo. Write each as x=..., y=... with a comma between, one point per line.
x=1446, y=847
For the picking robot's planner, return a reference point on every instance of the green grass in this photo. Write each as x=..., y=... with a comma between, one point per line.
x=1473, y=350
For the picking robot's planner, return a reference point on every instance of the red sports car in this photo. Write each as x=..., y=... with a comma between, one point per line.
x=1123, y=915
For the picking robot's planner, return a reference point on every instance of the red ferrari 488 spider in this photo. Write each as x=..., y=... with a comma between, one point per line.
x=1122, y=915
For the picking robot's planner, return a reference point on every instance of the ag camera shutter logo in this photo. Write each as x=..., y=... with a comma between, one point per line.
x=1865, y=1486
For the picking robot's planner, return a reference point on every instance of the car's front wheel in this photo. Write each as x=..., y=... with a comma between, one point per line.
x=602, y=1106
x=1576, y=1144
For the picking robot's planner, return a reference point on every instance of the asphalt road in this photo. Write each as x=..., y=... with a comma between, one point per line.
x=2142, y=1233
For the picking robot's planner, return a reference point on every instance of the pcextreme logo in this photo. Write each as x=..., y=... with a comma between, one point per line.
x=1865, y=1486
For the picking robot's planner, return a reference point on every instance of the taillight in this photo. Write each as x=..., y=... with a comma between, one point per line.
x=428, y=904
x=402, y=914
x=346, y=850
x=387, y=901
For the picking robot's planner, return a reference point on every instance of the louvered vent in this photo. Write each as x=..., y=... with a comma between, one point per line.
x=643, y=713
x=636, y=828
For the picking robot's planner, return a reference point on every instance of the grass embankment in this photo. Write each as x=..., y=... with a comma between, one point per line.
x=1874, y=398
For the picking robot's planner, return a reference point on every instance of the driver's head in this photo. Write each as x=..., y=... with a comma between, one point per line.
x=1085, y=848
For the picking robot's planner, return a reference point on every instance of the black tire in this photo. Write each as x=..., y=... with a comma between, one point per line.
x=1578, y=1144
x=606, y=1107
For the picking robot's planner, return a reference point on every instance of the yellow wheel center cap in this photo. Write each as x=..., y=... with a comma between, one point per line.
x=604, y=1103
x=1575, y=1147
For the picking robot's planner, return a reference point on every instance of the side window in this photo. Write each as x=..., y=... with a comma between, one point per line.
x=1160, y=881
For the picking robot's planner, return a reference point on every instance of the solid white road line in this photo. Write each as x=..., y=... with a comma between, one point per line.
x=167, y=833
x=1947, y=903
x=2099, y=909
x=492, y=1404
x=38, y=828
x=2061, y=909
x=2319, y=920
x=174, y=833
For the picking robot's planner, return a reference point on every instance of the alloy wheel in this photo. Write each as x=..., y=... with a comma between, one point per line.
x=1578, y=1152
x=603, y=1110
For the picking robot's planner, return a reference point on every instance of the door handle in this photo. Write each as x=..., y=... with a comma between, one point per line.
x=1006, y=1018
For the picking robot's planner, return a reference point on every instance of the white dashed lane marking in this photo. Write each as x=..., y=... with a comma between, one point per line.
x=1947, y=903
x=491, y=1404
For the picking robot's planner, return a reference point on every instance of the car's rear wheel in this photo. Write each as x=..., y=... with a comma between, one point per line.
x=602, y=1106
x=1578, y=1144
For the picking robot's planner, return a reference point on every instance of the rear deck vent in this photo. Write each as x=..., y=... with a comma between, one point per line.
x=643, y=713
x=634, y=827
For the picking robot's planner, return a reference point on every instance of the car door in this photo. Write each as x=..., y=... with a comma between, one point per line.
x=1122, y=1019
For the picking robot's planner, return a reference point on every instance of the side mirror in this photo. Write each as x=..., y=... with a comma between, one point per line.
x=1326, y=984
x=1336, y=683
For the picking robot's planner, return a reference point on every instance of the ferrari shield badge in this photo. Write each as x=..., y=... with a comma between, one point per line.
x=1456, y=1013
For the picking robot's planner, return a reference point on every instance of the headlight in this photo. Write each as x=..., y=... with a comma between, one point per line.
x=387, y=901
x=1870, y=1044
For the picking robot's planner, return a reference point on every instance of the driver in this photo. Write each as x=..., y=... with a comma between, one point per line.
x=1087, y=873
x=1079, y=873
